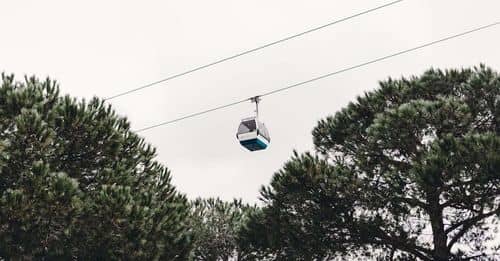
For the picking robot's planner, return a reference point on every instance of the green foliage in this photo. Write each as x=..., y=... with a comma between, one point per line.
x=299, y=211
x=410, y=170
x=216, y=225
x=75, y=182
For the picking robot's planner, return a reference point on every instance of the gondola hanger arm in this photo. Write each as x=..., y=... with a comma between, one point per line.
x=256, y=100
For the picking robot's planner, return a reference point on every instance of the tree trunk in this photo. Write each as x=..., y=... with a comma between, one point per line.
x=440, y=238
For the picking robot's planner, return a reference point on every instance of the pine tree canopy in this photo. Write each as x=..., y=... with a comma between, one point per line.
x=408, y=171
x=216, y=225
x=76, y=182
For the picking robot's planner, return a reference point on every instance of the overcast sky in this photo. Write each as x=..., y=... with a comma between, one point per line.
x=105, y=47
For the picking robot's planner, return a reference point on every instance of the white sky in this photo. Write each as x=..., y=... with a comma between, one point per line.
x=106, y=47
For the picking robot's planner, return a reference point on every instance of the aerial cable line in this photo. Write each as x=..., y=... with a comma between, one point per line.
x=380, y=59
x=250, y=51
x=324, y=76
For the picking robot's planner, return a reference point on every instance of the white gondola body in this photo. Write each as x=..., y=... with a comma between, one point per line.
x=253, y=134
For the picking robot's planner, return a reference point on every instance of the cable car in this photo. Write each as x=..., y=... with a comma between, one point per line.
x=252, y=134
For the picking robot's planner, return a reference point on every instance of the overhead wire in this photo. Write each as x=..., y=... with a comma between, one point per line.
x=323, y=76
x=379, y=59
x=251, y=50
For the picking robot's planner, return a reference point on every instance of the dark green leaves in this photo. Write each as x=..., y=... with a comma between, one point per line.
x=412, y=163
x=75, y=182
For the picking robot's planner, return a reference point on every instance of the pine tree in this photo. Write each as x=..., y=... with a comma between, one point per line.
x=408, y=171
x=76, y=182
x=216, y=225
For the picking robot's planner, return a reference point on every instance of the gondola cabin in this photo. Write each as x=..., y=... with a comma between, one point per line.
x=252, y=134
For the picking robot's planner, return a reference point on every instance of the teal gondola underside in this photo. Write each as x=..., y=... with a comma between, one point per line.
x=253, y=144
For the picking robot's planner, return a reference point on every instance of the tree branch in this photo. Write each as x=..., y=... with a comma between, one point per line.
x=466, y=225
x=481, y=196
x=473, y=219
x=420, y=252
x=471, y=257
x=412, y=201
